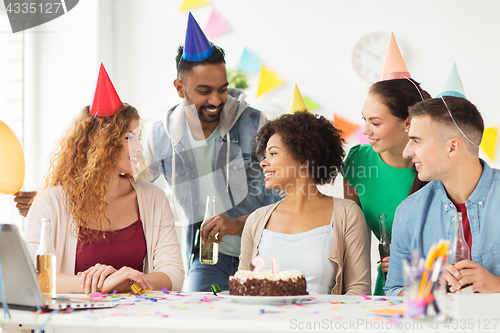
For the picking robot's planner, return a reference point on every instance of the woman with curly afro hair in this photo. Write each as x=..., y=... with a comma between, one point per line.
x=108, y=229
x=324, y=238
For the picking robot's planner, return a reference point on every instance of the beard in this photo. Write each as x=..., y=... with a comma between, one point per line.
x=210, y=117
x=203, y=114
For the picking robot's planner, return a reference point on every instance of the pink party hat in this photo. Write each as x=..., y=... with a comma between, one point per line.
x=394, y=66
x=106, y=100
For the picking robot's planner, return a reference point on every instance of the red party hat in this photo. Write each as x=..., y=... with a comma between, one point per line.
x=106, y=101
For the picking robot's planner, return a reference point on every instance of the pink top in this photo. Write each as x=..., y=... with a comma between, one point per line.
x=124, y=247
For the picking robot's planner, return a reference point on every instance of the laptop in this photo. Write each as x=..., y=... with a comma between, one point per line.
x=22, y=290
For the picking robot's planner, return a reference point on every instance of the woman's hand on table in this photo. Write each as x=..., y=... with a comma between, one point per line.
x=92, y=280
x=384, y=264
x=120, y=279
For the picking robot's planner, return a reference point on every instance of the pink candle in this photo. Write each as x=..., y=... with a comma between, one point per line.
x=276, y=265
x=258, y=263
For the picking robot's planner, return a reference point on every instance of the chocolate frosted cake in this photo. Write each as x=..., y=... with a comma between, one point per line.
x=265, y=283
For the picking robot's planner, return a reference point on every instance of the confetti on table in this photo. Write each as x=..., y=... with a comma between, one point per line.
x=165, y=290
x=385, y=312
x=366, y=297
x=334, y=307
x=395, y=318
x=206, y=300
x=96, y=295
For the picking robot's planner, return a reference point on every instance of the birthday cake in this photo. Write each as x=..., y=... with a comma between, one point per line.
x=265, y=283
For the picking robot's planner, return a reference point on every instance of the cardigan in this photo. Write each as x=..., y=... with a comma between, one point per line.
x=163, y=248
x=350, y=248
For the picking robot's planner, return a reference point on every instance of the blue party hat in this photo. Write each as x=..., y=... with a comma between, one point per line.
x=196, y=47
x=453, y=85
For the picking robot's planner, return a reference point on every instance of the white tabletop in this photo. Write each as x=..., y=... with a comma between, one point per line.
x=203, y=312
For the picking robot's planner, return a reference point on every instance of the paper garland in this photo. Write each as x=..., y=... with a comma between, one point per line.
x=191, y=4
x=249, y=62
x=347, y=127
x=311, y=104
x=489, y=142
x=361, y=137
x=216, y=25
x=269, y=80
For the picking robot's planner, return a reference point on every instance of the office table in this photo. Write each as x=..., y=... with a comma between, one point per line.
x=204, y=312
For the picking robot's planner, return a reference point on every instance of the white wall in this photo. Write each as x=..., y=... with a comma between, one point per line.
x=306, y=42
x=310, y=43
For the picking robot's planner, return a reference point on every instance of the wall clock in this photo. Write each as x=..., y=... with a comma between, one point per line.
x=368, y=55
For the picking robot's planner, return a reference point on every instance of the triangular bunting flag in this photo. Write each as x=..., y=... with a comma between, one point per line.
x=249, y=62
x=361, y=137
x=268, y=80
x=311, y=104
x=216, y=25
x=297, y=103
x=190, y=4
x=489, y=142
x=344, y=125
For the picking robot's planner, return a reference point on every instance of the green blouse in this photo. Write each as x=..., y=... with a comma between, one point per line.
x=380, y=187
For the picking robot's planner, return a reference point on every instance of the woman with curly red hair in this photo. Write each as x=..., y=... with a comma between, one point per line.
x=325, y=238
x=108, y=229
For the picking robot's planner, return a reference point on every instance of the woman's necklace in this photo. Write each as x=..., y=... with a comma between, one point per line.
x=112, y=196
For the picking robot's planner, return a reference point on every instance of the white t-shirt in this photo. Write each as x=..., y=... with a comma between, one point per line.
x=204, y=154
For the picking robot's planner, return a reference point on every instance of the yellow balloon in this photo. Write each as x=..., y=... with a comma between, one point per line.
x=11, y=161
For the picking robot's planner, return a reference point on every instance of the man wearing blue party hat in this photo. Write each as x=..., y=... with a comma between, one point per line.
x=445, y=134
x=204, y=147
